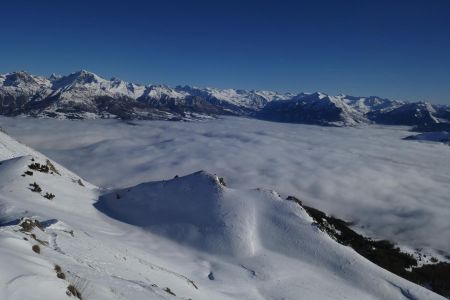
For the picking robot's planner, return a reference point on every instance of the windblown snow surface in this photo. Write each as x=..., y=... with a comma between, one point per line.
x=392, y=188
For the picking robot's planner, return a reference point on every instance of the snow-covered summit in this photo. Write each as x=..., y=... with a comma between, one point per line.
x=256, y=228
x=23, y=80
x=82, y=77
x=249, y=99
x=22, y=86
x=161, y=93
x=419, y=113
x=89, y=85
x=367, y=104
x=342, y=110
x=315, y=108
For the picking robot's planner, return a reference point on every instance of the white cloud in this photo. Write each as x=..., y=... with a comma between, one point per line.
x=393, y=188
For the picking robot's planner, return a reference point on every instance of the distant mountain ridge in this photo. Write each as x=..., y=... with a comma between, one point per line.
x=84, y=94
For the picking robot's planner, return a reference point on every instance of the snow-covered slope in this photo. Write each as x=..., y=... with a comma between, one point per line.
x=84, y=84
x=201, y=240
x=22, y=83
x=159, y=93
x=19, y=89
x=367, y=104
x=316, y=108
x=257, y=229
x=96, y=254
x=72, y=236
x=420, y=113
x=342, y=110
x=252, y=100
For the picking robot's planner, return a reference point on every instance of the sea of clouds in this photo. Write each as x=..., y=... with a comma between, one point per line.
x=391, y=188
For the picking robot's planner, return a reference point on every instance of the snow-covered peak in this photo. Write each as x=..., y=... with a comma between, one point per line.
x=199, y=211
x=310, y=96
x=250, y=99
x=162, y=92
x=366, y=104
x=314, y=108
x=418, y=113
x=23, y=81
x=85, y=86
x=428, y=106
x=54, y=77
x=78, y=78
x=121, y=87
x=255, y=228
x=320, y=95
x=273, y=96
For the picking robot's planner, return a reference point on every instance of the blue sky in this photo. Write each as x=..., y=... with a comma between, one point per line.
x=396, y=49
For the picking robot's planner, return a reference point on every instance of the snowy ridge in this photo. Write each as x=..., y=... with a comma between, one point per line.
x=250, y=226
x=84, y=94
x=248, y=99
x=316, y=108
x=367, y=104
x=84, y=84
x=162, y=92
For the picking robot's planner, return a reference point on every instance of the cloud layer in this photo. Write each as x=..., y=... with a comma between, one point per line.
x=392, y=188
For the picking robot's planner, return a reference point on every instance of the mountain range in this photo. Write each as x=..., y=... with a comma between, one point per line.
x=84, y=94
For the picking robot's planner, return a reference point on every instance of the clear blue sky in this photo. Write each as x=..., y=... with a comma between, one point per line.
x=397, y=49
